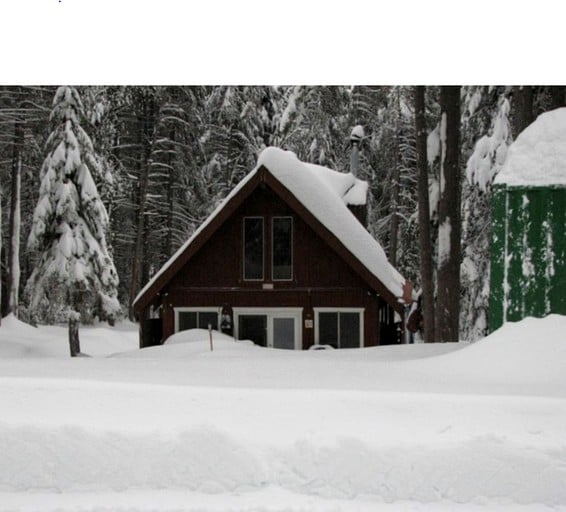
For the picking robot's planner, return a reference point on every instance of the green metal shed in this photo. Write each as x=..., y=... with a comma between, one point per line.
x=528, y=250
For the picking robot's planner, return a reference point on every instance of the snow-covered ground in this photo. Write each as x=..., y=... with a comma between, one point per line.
x=244, y=428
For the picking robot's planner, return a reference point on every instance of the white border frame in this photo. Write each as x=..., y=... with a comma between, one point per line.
x=360, y=311
x=209, y=309
x=262, y=248
x=271, y=313
x=273, y=249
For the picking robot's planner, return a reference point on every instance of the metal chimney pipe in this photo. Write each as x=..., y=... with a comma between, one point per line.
x=355, y=138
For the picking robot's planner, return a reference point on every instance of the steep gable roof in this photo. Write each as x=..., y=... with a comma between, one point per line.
x=320, y=196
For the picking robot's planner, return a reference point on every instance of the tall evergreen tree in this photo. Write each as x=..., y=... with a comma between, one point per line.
x=74, y=271
x=486, y=135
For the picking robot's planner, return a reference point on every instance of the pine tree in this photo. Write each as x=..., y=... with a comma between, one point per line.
x=24, y=112
x=486, y=133
x=74, y=271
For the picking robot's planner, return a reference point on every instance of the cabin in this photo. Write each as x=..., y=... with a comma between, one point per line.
x=285, y=261
x=528, y=249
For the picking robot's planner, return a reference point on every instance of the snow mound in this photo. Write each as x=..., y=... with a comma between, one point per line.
x=532, y=345
x=192, y=335
x=538, y=156
x=525, y=357
x=19, y=340
x=191, y=343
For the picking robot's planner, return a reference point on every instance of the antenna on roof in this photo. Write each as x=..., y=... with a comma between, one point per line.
x=355, y=138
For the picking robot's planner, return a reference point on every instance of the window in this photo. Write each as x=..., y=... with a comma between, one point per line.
x=195, y=318
x=253, y=248
x=340, y=328
x=282, y=248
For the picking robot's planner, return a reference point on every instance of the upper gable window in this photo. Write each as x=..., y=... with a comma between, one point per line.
x=282, y=248
x=253, y=248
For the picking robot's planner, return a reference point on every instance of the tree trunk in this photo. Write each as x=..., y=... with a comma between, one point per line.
x=448, y=276
x=74, y=342
x=522, y=108
x=394, y=226
x=15, y=221
x=170, y=200
x=427, y=282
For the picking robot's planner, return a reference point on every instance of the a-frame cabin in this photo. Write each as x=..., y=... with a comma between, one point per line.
x=285, y=261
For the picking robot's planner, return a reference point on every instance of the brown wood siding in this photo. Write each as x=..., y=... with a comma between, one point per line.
x=214, y=275
x=219, y=262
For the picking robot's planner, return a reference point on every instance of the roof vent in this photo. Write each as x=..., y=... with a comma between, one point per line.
x=355, y=138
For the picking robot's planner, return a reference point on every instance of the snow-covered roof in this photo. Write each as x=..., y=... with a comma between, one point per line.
x=325, y=194
x=320, y=195
x=348, y=188
x=538, y=155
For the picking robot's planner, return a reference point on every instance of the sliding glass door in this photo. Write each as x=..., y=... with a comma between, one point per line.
x=276, y=328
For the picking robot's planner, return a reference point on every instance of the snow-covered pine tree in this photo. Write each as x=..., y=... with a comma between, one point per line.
x=486, y=122
x=74, y=271
x=315, y=125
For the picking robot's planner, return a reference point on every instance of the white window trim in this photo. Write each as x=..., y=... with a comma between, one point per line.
x=271, y=313
x=244, y=248
x=360, y=311
x=194, y=310
x=273, y=248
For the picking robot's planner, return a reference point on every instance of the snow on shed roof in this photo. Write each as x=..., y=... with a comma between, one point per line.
x=326, y=194
x=538, y=155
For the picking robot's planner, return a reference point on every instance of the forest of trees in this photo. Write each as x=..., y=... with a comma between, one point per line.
x=116, y=178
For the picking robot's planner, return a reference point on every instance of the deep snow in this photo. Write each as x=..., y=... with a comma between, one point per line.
x=538, y=155
x=422, y=427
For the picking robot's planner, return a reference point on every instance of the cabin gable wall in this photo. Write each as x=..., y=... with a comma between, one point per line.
x=320, y=279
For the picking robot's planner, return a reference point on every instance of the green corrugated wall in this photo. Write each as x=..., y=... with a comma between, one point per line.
x=528, y=253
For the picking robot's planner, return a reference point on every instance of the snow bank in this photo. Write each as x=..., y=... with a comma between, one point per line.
x=538, y=155
x=87, y=437
x=21, y=340
x=268, y=499
x=421, y=427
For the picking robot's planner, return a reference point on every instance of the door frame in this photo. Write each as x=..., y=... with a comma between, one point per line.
x=271, y=313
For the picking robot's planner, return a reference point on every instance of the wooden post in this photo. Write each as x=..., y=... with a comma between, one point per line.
x=210, y=335
x=74, y=343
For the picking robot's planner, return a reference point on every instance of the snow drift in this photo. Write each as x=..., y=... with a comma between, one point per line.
x=478, y=424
